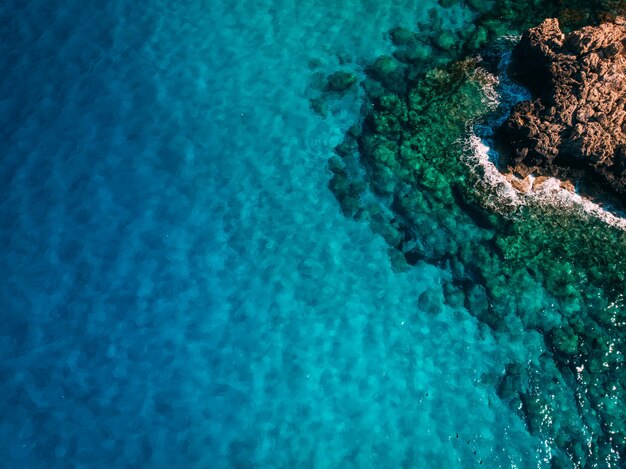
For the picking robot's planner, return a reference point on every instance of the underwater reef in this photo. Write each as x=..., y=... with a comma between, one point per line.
x=576, y=125
x=411, y=168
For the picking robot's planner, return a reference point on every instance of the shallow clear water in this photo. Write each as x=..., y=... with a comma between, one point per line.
x=181, y=288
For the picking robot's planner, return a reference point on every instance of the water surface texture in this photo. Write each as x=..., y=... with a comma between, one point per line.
x=181, y=288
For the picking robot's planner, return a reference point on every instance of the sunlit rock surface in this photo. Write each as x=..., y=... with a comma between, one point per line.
x=575, y=125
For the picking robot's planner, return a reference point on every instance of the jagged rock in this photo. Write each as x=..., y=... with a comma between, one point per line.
x=577, y=118
x=521, y=185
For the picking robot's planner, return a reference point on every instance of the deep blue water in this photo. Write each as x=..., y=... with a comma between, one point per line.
x=180, y=286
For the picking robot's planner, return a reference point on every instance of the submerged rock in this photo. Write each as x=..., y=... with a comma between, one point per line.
x=431, y=301
x=340, y=81
x=576, y=124
x=401, y=36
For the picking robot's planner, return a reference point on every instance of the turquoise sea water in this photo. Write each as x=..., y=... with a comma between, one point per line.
x=181, y=288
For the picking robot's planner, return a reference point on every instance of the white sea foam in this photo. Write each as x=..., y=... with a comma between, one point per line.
x=491, y=96
x=499, y=193
x=503, y=198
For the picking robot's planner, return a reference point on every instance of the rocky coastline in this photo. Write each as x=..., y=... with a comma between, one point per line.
x=408, y=168
x=574, y=127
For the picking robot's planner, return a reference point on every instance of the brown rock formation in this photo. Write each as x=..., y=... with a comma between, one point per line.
x=575, y=126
